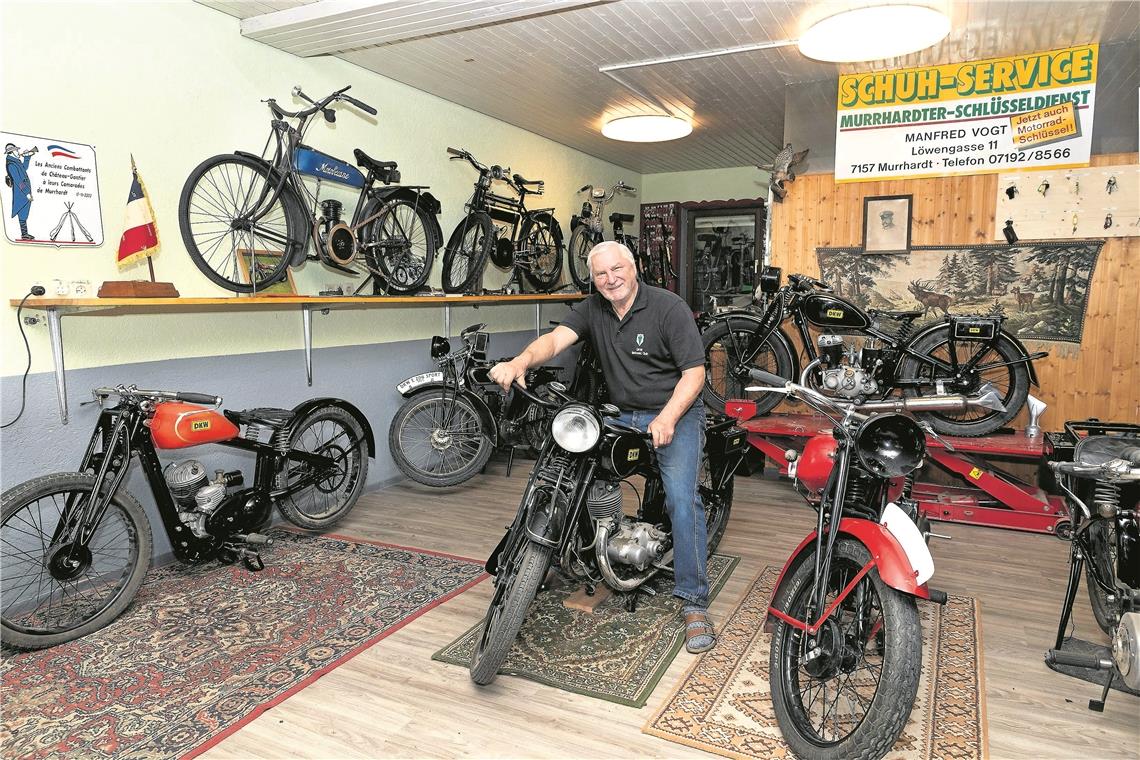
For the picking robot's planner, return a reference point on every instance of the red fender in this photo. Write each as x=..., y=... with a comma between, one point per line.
x=887, y=556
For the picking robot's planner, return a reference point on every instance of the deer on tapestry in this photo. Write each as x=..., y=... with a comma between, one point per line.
x=928, y=298
x=1023, y=299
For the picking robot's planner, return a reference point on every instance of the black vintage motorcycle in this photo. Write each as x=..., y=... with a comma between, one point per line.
x=456, y=416
x=1102, y=489
x=846, y=651
x=965, y=356
x=571, y=514
x=528, y=242
x=76, y=545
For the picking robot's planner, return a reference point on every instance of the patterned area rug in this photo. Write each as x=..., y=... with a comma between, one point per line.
x=723, y=704
x=611, y=654
x=203, y=650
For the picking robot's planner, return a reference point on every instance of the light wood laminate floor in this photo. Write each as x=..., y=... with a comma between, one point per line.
x=393, y=701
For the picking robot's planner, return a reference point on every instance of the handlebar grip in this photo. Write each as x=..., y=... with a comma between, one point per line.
x=584, y=188
x=199, y=398
x=361, y=105
x=1074, y=660
x=767, y=377
x=455, y=152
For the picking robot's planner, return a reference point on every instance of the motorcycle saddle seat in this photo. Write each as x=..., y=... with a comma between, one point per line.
x=1098, y=449
x=269, y=416
x=897, y=315
x=364, y=161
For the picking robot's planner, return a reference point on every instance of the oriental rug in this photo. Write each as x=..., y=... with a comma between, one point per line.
x=723, y=704
x=203, y=650
x=611, y=654
x=1041, y=287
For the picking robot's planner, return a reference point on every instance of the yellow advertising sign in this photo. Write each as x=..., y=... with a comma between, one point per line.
x=1044, y=126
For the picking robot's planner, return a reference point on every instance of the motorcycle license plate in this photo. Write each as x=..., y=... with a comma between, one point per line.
x=415, y=381
x=974, y=330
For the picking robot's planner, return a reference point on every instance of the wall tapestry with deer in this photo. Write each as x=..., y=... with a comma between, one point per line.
x=1041, y=287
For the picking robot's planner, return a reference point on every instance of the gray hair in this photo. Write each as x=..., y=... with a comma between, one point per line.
x=609, y=245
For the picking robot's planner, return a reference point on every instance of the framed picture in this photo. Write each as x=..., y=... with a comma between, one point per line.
x=265, y=261
x=886, y=224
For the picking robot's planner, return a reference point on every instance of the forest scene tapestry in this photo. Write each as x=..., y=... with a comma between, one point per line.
x=1041, y=287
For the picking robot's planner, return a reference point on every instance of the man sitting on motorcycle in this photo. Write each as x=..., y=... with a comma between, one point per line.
x=651, y=355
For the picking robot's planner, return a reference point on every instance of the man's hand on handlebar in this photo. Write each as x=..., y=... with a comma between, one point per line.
x=505, y=373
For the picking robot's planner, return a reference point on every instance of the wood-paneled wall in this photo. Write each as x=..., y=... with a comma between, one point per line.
x=1101, y=380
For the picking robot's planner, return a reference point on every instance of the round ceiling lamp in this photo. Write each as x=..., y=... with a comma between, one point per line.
x=874, y=32
x=647, y=128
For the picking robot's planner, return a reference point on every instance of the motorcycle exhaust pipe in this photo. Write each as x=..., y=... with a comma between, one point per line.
x=601, y=552
x=987, y=398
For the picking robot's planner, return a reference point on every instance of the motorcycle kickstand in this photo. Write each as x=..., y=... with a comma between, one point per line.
x=632, y=599
x=510, y=460
x=1097, y=705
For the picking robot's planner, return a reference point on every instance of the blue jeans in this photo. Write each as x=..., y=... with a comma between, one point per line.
x=679, y=463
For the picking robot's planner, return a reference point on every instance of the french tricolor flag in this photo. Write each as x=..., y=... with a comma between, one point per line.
x=140, y=236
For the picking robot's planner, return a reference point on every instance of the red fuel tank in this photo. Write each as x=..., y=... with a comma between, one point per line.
x=177, y=425
x=815, y=463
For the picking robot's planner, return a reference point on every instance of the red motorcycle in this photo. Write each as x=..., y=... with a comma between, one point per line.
x=846, y=639
x=76, y=546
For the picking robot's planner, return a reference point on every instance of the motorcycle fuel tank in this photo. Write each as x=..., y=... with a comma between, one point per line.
x=623, y=453
x=177, y=425
x=814, y=465
x=829, y=311
x=324, y=166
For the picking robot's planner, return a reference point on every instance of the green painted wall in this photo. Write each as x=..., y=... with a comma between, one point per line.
x=174, y=83
x=735, y=183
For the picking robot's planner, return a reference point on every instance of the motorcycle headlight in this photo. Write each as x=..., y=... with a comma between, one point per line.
x=576, y=428
x=890, y=445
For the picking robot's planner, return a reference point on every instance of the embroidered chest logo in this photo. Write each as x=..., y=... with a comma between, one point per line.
x=638, y=350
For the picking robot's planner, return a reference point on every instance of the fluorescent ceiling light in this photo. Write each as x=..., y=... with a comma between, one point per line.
x=874, y=32
x=647, y=128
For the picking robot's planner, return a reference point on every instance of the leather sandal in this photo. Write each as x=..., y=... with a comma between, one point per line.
x=699, y=633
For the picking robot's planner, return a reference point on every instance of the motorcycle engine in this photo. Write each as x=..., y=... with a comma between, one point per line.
x=632, y=543
x=845, y=370
x=194, y=495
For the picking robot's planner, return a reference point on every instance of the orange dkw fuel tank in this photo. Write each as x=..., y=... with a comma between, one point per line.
x=177, y=425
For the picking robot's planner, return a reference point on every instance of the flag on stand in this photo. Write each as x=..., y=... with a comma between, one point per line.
x=140, y=235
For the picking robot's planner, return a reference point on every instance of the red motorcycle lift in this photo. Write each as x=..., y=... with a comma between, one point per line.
x=992, y=498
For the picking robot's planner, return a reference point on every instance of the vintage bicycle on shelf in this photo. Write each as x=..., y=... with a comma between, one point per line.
x=532, y=250
x=586, y=230
x=246, y=218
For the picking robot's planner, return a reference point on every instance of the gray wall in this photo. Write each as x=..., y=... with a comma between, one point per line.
x=38, y=444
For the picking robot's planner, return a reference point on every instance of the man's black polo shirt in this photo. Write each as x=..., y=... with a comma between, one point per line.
x=643, y=355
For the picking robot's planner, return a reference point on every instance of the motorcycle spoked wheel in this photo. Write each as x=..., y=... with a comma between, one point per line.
x=1011, y=382
x=437, y=439
x=1102, y=551
x=724, y=343
x=516, y=585
x=718, y=507
x=869, y=658
x=334, y=433
x=49, y=595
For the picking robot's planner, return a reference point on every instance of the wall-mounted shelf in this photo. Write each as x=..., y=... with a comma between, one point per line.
x=57, y=308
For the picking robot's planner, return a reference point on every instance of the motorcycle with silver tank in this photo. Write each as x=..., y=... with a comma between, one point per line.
x=571, y=515
x=846, y=651
x=77, y=544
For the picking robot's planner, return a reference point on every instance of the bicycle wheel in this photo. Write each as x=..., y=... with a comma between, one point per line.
x=215, y=213
x=726, y=343
x=54, y=590
x=437, y=439
x=466, y=253
x=581, y=241
x=543, y=237
x=322, y=493
x=399, y=244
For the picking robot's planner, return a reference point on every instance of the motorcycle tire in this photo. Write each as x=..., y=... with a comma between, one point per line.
x=1102, y=548
x=542, y=231
x=466, y=253
x=516, y=585
x=332, y=432
x=901, y=655
x=218, y=192
x=1011, y=383
x=431, y=454
x=400, y=244
x=30, y=514
x=581, y=241
x=725, y=340
x=718, y=508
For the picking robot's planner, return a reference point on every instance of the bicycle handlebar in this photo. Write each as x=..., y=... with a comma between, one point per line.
x=130, y=391
x=318, y=105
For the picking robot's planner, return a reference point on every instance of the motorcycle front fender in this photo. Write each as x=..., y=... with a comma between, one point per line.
x=305, y=407
x=891, y=560
x=291, y=200
x=777, y=335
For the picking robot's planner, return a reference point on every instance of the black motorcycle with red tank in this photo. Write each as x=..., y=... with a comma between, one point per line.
x=846, y=651
x=958, y=357
x=77, y=544
x=571, y=514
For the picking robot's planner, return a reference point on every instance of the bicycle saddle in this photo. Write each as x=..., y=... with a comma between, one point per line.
x=897, y=315
x=616, y=217
x=364, y=161
x=520, y=181
x=1098, y=449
